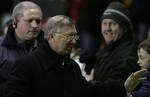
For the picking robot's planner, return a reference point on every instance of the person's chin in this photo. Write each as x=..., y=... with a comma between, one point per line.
x=30, y=38
x=68, y=50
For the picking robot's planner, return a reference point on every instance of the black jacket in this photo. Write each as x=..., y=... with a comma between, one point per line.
x=44, y=73
x=116, y=62
x=10, y=50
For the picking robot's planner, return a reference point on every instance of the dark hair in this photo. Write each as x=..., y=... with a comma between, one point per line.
x=145, y=45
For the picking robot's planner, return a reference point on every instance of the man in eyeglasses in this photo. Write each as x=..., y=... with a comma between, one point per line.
x=48, y=71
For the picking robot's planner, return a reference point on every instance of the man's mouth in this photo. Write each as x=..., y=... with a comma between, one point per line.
x=106, y=33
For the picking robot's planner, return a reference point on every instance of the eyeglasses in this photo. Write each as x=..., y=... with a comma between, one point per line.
x=71, y=36
x=75, y=37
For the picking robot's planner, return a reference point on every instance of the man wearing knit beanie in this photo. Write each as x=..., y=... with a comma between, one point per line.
x=117, y=57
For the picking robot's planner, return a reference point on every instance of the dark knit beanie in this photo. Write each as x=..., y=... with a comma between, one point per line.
x=117, y=12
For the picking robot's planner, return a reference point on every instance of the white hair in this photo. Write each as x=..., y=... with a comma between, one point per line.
x=21, y=7
x=56, y=24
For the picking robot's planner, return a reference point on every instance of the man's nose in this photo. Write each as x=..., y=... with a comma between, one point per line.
x=108, y=27
x=75, y=39
x=138, y=61
x=34, y=24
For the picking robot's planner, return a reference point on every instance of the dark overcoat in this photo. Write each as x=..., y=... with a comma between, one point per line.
x=116, y=62
x=44, y=73
x=10, y=50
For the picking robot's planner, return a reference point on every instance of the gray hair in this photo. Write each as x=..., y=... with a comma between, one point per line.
x=56, y=24
x=21, y=7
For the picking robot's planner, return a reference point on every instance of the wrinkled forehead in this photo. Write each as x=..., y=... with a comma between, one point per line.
x=32, y=11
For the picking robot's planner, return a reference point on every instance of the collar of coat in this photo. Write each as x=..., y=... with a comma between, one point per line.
x=51, y=59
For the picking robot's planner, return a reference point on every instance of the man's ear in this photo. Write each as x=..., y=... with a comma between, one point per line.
x=14, y=23
x=50, y=35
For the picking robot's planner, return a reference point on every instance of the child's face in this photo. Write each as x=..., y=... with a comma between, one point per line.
x=144, y=59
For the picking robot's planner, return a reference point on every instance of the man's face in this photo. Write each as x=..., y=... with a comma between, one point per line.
x=28, y=26
x=111, y=30
x=65, y=41
x=144, y=59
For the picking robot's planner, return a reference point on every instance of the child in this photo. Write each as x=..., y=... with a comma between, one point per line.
x=144, y=63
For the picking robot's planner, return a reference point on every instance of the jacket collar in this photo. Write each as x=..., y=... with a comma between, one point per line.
x=51, y=58
x=9, y=39
x=119, y=42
